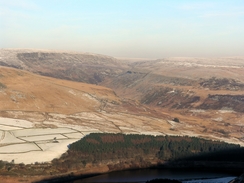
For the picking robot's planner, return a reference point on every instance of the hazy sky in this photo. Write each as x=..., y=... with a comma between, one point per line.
x=126, y=28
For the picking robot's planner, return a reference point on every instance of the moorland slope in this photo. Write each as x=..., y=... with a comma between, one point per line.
x=206, y=94
x=89, y=93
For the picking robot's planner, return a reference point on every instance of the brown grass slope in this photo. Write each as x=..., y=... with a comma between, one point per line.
x=25, y=91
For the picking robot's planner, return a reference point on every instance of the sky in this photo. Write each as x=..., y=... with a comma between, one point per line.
x=126, y=28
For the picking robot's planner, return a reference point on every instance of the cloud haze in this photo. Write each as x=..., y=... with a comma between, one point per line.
x=152, y=29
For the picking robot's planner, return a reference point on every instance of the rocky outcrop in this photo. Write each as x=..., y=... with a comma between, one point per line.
x=217, y=102
x=170, y=97
x=221, y=84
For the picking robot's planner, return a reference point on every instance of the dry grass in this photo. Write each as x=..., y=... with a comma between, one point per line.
x=29, y=92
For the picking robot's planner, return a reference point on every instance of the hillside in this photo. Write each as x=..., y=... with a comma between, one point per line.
x=28, y=92
x=89, y=93
x=186, y=81
x=206, y=94
x=37, y=111
x=82, y=67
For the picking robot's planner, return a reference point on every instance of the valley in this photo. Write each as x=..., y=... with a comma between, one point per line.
x=50, y=99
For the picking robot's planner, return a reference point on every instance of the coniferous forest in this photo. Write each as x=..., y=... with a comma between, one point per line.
x=144, y=149
x=110, y=152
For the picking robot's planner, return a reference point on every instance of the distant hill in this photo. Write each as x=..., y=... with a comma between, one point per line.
x=82, y=67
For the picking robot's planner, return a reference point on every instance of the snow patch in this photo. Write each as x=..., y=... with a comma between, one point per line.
x=16, y=122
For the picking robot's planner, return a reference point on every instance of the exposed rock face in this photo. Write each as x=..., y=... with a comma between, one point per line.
x=221, y=84
x=169, y=97
x=218, y=102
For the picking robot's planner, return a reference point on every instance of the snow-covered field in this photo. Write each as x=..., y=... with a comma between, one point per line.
x=4, y=127
x=48, y=153
x=74, y=135
x=19, y=148
x=9, y=138
x=22, y=142
x=37, y=138
x=41, y=131
x=18, y=123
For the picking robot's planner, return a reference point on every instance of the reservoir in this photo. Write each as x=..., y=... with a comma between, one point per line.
x=144, y=175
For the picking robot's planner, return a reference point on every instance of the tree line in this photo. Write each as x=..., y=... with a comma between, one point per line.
x=100, y=146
